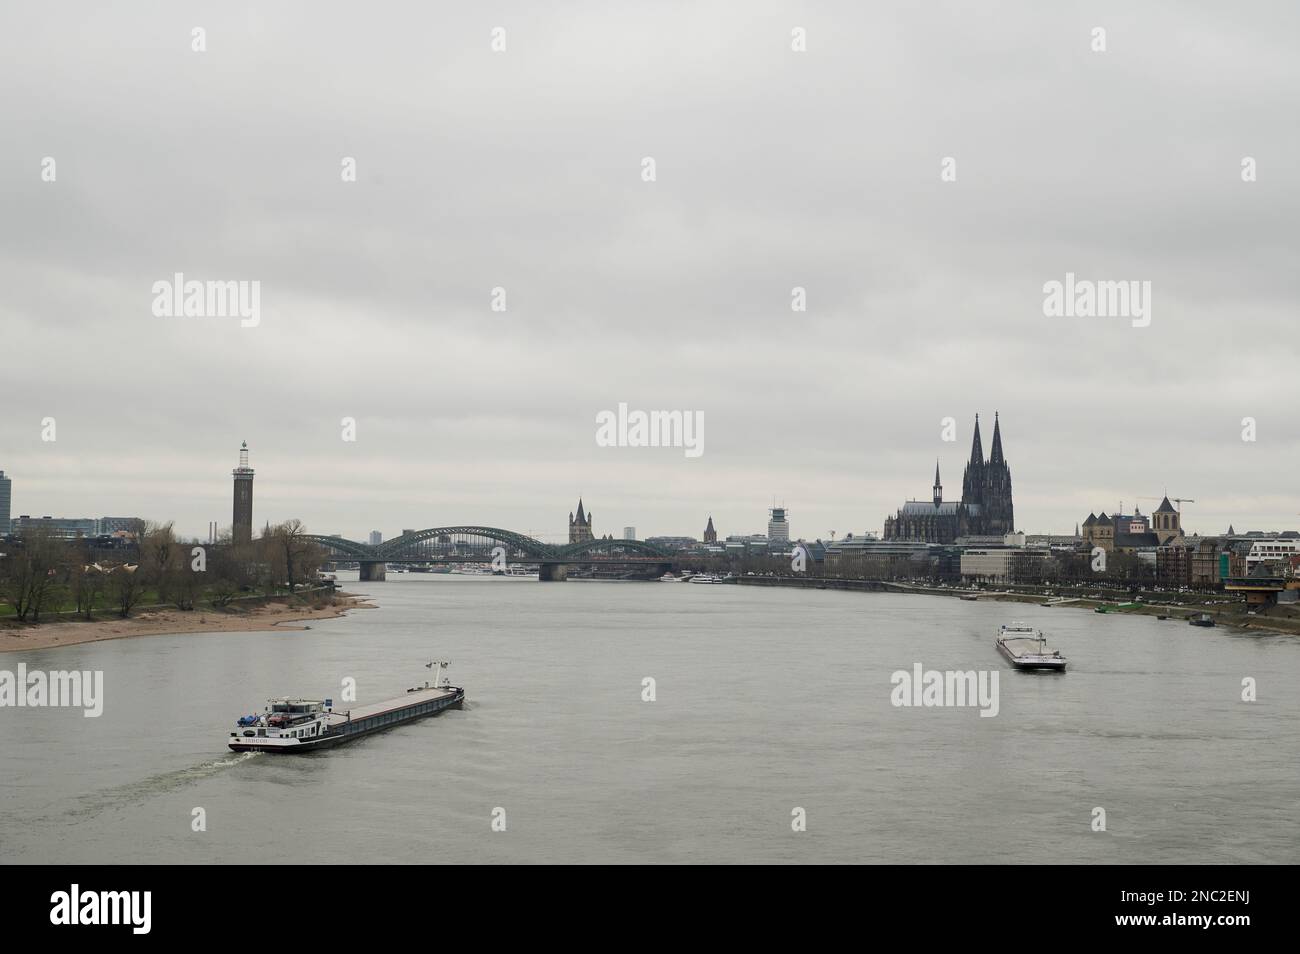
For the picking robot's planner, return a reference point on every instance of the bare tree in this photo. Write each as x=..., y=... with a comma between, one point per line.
x=228, y=570
x=297, y=556
x=29, y=573
x=87, y=583
x=127, y=586
x=158, y=554
x=189, y=583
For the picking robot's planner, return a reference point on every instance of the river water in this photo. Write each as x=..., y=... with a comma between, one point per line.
x=766, y=700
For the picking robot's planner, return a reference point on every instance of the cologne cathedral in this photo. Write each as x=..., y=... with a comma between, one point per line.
x=985, y=508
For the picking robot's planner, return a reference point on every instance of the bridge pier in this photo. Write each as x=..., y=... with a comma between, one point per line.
x=373, y=571
x=552, y=573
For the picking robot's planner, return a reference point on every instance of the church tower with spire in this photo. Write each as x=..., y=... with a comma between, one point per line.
x=938, y=486
x=710, y=535
x=579, y=526
x=997, y=515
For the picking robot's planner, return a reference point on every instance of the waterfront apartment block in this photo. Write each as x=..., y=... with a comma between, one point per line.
x=1005, y=564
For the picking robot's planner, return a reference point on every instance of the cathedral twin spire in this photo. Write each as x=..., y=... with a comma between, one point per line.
x=976, y=448
x=986, y=484
x=995, y=457
x=985, y=508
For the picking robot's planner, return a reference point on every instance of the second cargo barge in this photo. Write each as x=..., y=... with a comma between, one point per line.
x=1026, y=648
x=304, y=725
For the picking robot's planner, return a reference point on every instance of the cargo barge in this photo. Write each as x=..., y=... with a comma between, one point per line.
x=291, y=726
x=1026, y=648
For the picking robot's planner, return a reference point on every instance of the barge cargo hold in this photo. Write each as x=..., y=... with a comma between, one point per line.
x=291, y=726
x=1026, y=648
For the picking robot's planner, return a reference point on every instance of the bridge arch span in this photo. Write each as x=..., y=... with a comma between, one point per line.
x=408, y=545
x=584, y=548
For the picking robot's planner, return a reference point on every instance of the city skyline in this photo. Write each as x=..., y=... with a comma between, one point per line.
x=588, y=527
x=923, y=296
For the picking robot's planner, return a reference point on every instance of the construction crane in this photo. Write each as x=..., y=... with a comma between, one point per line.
x=1176, y=500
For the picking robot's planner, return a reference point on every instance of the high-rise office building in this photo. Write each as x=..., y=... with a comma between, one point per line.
x=376, y=538
x=241, y=528
x=629, y=533
x=778, y=528
x=6, y=501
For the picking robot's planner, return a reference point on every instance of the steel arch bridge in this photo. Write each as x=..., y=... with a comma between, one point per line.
x=420, y=543
x=472, y=543
x=591, y=548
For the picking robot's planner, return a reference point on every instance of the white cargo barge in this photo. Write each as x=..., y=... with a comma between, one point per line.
x=302, y=725
x=1026, y=648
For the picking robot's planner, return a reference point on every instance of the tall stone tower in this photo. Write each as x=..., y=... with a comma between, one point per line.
x=1168, y=522
x=241, y=529
x=579, y=526
x=986, y=486
x=972, y=479
x=710, y=535
x=998, y=515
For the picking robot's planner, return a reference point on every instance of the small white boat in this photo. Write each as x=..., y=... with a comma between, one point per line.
x=705, y=578
x=1026, y=648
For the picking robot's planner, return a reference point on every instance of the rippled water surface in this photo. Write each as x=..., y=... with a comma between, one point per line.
x=767, y=700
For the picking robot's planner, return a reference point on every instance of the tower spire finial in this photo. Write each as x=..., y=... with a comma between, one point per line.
x=977, y=446
x=995, y=456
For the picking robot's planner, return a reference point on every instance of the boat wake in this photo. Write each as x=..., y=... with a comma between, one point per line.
x=95, y=802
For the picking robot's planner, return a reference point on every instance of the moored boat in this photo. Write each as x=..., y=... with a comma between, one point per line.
x=1205, y=619
x=1026, y=648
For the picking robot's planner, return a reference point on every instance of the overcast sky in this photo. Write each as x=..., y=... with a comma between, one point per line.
x=523, y=169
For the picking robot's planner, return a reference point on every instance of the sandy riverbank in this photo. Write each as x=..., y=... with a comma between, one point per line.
x=16, y=637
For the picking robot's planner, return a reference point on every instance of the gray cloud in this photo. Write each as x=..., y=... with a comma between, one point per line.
x=521, y=170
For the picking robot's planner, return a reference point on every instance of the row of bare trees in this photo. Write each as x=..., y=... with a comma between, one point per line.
x=43, y=574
